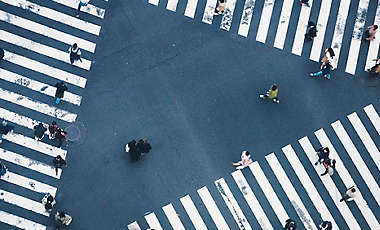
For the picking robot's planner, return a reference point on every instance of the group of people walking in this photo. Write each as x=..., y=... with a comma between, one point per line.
x=61, y=218
x=137, y=149
x=54, y=132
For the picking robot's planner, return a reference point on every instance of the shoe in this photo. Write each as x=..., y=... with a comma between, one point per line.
x=261, y=96
x=316, y=163
x=276, y=101
x=311, y=75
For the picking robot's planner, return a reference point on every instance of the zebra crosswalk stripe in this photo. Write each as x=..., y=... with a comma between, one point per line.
x=173, y=218
x=20, y=222
x=190, y=8
x=373, y=117
x=283, y=24
x=209, y=10
x=134, y=226
x=90, y=9
x=246, y=17
x=228, y=15
x=299, y=37
x=266, y=15
x=193, y=213
x=373, y=49
x=172, y=5
x=152, y=221
x=154, y=2
x=18, y=119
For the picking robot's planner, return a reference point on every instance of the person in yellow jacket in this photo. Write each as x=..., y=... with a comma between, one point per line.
x=271, y=94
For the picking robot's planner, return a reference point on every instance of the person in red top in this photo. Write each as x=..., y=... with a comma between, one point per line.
x=245, y=160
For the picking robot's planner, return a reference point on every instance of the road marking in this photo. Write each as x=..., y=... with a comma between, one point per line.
x=212, y=209
x=209, y=10
x=134, y=226
x=299, y=37
x=228, y=15
x=90, y=9
x=283, y=24
x=323, y=18
x=19, y=119
x=23, y=202
x=28, y=163
x=45, y=69
x=154, y=2
x=37, y=106
x=193, y=213
x=246, y=18
x=152, y=221
x=38, y=86
x=20, y=222
x=366, y=139
x=172, y=216
x=308, y=185
x=373, y=117
x=47, y=31
x=373, y=49
x=266, y=15
x=55, y=15
x=252, y=201
x=356, y=38
x=190, y=8
x=172, y=5
x=268, y=191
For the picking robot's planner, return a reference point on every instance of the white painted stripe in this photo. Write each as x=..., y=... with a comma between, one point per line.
x=28, y=183
x=173, y=218
x=33, y=144
x=42, y=49
x=232, y=204
x=23, y=202
x=246, y=17
x=190, y=8
x=152, y=221
x=373, y=117
x=20, y=222
x=193, y=213
x=373, y=49
x=283, y=24
x=323, y=18
x=329, y=184
x=134, y=226
x=212, y=209
x=90, y=9
x=55, y=15
x=47, y=31
x=228, y=15
x=299, y=37
x=37, y=106
x=154, y=2
x=340, y=25
x=18, y=119
x=38, y=86
x=364, y=172
x=366, y=139
x=252, y=201
x=288, y=187
x=28, y=163
x=208, y=13
x=45, y=69
x=268, y=191
x=308, y=185
x=172, y=5
x=356, y=39
x=266, y=15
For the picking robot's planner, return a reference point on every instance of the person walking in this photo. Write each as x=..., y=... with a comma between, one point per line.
x=58, y=162
x=61, y=136
x=53, y=129
x=370, y=32
x=325, y=71
x=323, y=155
x=39, y=131
x=1, y=53
x=133, y=151
x=245, y=160
x=311, y=31
x=221, y=7
x=350, y=194
x=271, y=94
x=3, y=169
x=290, y=225
x=143, y=146
x=75, y=53
x=63, y=218
x=81, y=3
x=60, y=91
x=48, y=202
x=325, y=225
x=376, y=68
x=329, y=166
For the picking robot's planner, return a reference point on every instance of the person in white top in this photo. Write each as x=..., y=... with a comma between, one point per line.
x=350, y=194
x=81, y=3
x=75, y=53
x=245, y=160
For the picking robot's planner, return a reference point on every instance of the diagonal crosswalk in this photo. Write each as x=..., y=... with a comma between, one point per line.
x=268, y=194
x=291, y=13
x=27, y=92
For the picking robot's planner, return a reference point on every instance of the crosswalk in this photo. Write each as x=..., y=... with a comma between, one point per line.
x=287, y=184
x=36, y=36
x=241, y=17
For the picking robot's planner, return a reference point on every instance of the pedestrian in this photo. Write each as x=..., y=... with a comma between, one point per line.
x=39, y=131
x=329, y=166
x=325, y=71
x=328, y=56
x=325, y=225
x=290, y=225
x=3, y=169
x=53, y=129
x=63, y=218
x=323, y=155
x=75, y=53
x=350, y=194
x=133, y=151
x=1, y=53
x=5, y=129
x=245, y=160
x=311, y=31
x=271, y=94
x=305, y=2
x=48, y=202
x=61, y=136
x=81, y=3
x=58, y=162
x=370, y=32
x=376, y=68
x=143, y=146
x=221, y=7
x=60, y=91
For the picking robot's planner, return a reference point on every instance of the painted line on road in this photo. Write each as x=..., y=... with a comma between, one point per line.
x=373, y=117
x=20, y=222
x=173, y=218
x=228, y=15
x=19, y=119
x=193, y=213
x=209, y=10
x=172, y=5
x=190, y=8
x=90, y=9
x=266, y=15
x=152, y=221
x=23, y=202
x=134, y=226
x=246, y=17
x=283, y=24
x=299, y=37
x=373, y=49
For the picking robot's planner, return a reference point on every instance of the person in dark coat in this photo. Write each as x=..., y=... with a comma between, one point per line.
x=290, y=225
x=39, y=131
x=311, y=31
x=325, y=71
x=3, y=169
x=323, y=155
x=143, y=146
x=4, y=129
x=61, y=136
x=133, y=151
x=325, y=225
x=48, y=202
x=1, y=54
x=75, y=53
x=61, y=88
x=58, y=162
x=53, y=129
x=330, y=163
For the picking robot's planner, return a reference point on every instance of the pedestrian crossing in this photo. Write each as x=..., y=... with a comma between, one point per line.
x=287, y=184
x=346, y=35
x=36, y=37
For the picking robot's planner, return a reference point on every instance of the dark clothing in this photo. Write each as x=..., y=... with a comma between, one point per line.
x=74, y=57
x=53, y=129
x=290, y=223
x=143, y=146
x=39, y=130
x=323, y=156
x=3, y=169
x=1, y=54
x=326, y=224
x=134, y=152
x=61, y=88
x=4, y=129
x=311, y=31
x=326, y=69
x=58, y=162
x=61, y=136
x=328, y=164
